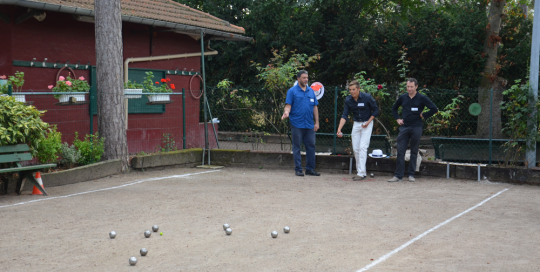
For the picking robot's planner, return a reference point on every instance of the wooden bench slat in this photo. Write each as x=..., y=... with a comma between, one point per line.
x=15, y=157
x=14, y=148
x=26, y=168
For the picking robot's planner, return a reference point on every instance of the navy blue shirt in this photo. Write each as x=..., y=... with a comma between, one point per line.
x=302, y=103
x=362, y=108
x=412, y=108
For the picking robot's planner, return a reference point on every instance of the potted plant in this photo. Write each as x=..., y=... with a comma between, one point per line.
x=3, y=84
x=17, y=82
x=133, y=87
x=152, y=86
x=68, y=85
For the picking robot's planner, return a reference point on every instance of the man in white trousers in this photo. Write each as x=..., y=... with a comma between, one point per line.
x=364, y=110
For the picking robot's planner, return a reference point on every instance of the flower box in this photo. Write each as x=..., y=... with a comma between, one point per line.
x=159, y=97
x=133, y=91
x=65, y=97
x=20, y=97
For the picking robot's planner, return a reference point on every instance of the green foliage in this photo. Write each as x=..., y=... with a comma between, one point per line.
x=369, y=86
x=234, y=99
x=50, y=146
x=17, y=81
x=169, y=144
x=91, y=148
x=151, y=86
x=70, y=155
x=133, y=85
x=404, y=70
x=441, y=121
x=68, y=84
x=20, y=124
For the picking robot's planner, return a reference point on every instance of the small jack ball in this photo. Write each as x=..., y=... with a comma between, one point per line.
x=274, y=234
x=286, y=229
x=228, y=231
x=155, y=228
x=161, y=233
x=144, y=251
x=133, y=261
x=147, y=234
x=112, y=234
x=226, y=226
x=372, y=175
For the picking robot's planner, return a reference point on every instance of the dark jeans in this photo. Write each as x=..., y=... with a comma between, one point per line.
x=307, y=136
x=405, y=134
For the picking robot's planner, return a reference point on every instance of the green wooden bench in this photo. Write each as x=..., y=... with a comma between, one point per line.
x=325, y=143
x=471, y=150
x=17, y=154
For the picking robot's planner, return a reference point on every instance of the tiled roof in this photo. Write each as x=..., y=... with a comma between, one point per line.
x=162, y=10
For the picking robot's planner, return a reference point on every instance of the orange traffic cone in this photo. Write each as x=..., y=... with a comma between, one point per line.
x=36, y=191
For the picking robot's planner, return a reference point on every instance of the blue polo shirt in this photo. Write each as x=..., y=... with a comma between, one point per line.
x=302, y=103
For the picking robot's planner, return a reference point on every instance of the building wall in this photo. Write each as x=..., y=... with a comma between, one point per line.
x=60, y=38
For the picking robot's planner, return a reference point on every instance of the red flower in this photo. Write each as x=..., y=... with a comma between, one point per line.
x=157, y=82
x=163, y=80
x=172, y=86
x=168, y=79
x=379, y=87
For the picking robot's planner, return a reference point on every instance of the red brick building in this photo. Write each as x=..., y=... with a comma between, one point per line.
x=39, y=37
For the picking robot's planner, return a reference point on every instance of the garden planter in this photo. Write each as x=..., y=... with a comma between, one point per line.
x=64, y=98
x=159, y=97
x=133, y=91
x=20, y=97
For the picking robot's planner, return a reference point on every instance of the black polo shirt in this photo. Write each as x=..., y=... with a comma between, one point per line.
x=412, y=108
x=362, y=108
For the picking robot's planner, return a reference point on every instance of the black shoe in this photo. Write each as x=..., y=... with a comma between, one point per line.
x=300, y=173
x=312, y=173
x=359, y=177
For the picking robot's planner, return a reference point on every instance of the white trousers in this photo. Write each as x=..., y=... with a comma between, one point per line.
x=360, y=142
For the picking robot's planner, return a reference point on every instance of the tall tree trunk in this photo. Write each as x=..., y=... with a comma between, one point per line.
x=490, y=80
x=110, y=91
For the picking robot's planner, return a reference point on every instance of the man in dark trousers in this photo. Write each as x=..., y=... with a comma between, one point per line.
x=413, y=105
x=301, y=109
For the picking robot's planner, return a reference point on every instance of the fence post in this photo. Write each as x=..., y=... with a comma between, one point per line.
x=530, y=155
x=183, y=118
x=490, y=121
x=335, y=118
x=10, y=90
x=90, y=111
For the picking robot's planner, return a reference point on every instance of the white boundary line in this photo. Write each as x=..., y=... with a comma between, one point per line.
x=389, y=254
x=110, y=188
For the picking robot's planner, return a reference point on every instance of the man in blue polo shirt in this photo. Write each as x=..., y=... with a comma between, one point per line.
x=301, y=109
x=413, y=105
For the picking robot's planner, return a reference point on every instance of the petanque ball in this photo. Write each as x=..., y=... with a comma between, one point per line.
x=286, y=229
x=147, y=234
x=274, y=234
x=155, y=228
x=144, y=251
x=133, y=261
x=372, y=175
x=228, y=231
x=226, y=226
x=112, y=234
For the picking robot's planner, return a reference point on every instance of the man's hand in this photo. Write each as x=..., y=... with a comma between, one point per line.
x=366, y=124
x=339, y=134
x=316, y=127
x=400, y=122
x=285, y=115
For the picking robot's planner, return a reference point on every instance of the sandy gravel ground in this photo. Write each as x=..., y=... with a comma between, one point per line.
x=336, y=224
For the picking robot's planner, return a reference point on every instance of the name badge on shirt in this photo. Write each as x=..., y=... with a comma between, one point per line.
x=414, y=109
x=312, y=100
x=360, y=104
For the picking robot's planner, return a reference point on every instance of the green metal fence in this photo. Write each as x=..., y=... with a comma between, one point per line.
x=250, y=118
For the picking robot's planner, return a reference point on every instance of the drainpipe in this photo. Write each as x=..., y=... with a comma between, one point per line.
x=167, y=57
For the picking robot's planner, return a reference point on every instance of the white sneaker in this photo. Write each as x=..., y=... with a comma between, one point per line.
x=412, y=179
x=394, y=179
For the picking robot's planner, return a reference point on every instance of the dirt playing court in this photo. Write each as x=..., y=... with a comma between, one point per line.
x=336, y=224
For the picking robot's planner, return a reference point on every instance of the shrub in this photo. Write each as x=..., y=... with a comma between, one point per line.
x=50, y=146
x=70, y=155
x=91, y=148
x=20, y=124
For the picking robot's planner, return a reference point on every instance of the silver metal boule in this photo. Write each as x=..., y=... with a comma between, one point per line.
x=274, y=234
x=147, y=234
x=372, y=175
x=112, y=234
x=133, y=261
x=155, y=228
x=226, y=226
x=144, y=251
x=286, y=229
x=228, y=231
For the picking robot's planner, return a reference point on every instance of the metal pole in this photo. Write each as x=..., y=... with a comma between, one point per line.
x=183, y=118
x=204, y=101
x=533, y=80
x=10, y=90
x=91, y=113
x=212, y=121
x=335, y=119
x=447, y=170
x=490, y=127
x=478, y=172
x=350, y=166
